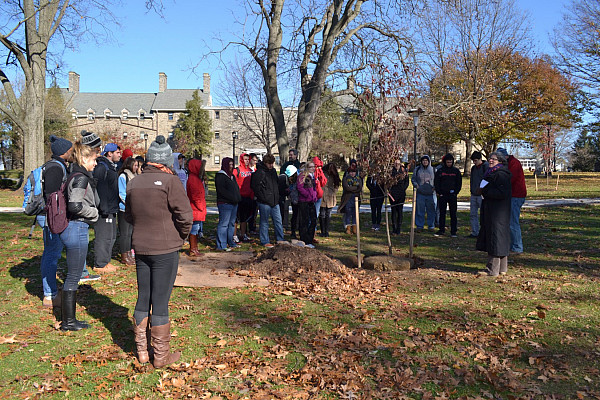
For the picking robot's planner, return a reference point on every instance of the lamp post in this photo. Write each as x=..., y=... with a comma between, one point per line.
x=145, y=142
x=234, y=135
x=414, y=113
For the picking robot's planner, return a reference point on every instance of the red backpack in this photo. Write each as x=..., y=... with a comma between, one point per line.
x=56, y=208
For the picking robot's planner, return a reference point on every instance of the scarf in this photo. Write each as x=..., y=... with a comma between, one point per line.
x=493, y=169
x=162, y=167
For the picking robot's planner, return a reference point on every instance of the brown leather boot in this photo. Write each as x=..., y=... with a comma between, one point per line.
x=131, y=257
x=194, y=246
x=354, y=229
x=140, y=334
x=161, y=336
x=126, y=259
x=349, y=229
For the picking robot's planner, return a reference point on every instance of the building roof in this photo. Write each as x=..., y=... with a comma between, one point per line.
x=174, y=99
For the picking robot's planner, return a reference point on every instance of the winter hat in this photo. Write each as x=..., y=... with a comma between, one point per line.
x=90, y=139
x=290, y=170
x=126, y=154
x=160, y=152
x=502, y=151
x=476, y=155
x=59, y=146
x=110, y=147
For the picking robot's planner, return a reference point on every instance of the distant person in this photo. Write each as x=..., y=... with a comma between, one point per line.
x=519, y=193
x=292, y=160
x=106, y=176
x=423, y=179
x=329, y=197
x=54, y=173
x=448, y=183
x=180, y=168
x=375, y=201
x=477, y=170
x=397, y=195
x=126, y=174
x=494, y=236
x=252, y=221
x=228, y=198
x=197, y=197
x=321, y=181
x=287, y=181
x=245, y=211
x=82, y=211
x=352, y=186
x=307, y=197
x=265, y=184
x=161, y=215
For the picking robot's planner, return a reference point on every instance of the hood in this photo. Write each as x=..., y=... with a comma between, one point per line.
x=428, y=159
x=241, y=164
x=317, y=161
x=194, y=166
x=446, y=158
x=176, y=162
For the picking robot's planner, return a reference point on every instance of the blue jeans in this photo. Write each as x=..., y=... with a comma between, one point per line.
x=474, y=206
x=318, y=207
x=263, y=229
x=53, y=247
x=76, y=240
x=350, y=212
x=226, y=225
x=516, y=241
x=425, y=203
x=196, y=227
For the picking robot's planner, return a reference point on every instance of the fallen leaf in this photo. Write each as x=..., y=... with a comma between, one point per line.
x=8, y=339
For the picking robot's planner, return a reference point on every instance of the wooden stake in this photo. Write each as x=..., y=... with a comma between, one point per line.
x=357, y=212
x=536, y=186
x=557, y=179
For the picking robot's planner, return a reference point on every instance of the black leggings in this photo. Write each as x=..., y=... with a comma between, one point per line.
x=307, y=222
x=125, y=231
x=155, y=277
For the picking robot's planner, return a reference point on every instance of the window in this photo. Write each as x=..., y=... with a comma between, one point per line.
x=217, y=135
x=235, y=116
x=217, y=160
x=142, y=115
x=90, y=115
x=124, y=113
x=170, y=116
x=217, y=114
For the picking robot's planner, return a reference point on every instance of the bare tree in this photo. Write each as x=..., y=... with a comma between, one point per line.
x=464, y=42
x=327, y=41
x=243, y=92
x=27, y=28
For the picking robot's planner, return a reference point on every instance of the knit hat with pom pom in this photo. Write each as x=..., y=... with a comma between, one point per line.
x=160, y=152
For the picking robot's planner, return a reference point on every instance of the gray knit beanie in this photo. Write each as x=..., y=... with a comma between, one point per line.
x=160, y=152
x=90, y=139
x=59, y=146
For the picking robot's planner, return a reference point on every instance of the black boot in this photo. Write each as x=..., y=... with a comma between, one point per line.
x=326, y=221
x=69, y=322
x=322, y=224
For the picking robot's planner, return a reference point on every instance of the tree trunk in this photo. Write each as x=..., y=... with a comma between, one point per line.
x=35, y=90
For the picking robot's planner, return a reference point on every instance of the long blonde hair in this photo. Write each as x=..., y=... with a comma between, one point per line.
x=81, y=152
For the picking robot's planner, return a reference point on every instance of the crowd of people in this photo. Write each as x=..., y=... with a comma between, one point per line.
x=157, y=203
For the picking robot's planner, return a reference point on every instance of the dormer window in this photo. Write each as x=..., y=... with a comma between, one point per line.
x=107, y=113
x=124, y=113
x=73, y=113
x=142, y=113
x=91, y=114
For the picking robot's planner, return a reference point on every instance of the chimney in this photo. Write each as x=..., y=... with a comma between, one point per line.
x=73, y=82
x=162, y=82
x=206, y=87
x=350, y=83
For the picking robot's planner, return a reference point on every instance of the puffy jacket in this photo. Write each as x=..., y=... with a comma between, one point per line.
x=320, y=178
x=83, y=200
x=265, y=185
x=195, y=190
x=159, y=210
x=107, y=186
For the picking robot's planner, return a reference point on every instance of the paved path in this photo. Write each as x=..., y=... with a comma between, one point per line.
x=462, y=205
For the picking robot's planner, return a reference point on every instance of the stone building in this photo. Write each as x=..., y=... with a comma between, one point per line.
x=133, y=120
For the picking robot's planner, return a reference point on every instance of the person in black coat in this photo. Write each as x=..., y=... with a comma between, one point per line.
x=448, y=182
x=228, y=198
x=494, y=234
x=397, y=194
x=265, y=184
x=376, y=201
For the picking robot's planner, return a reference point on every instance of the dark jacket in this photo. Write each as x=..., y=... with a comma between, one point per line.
x=448, y=181
x=265, y=185
x=159, y=210
x=398, y=191
x=284, y=187
x=227, y=189
x=494, y=235
x=107, y=186
x=53, y=175
x=375, y=190
x=82, y=197
x=477, y=176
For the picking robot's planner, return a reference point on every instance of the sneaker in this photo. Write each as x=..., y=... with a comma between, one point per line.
x=376, y=228
x=439, y=233
x=453, y=235
x=88, y=278
x=225, y=249
x=269, y=245
x=245, y=238
x=310, y=246
x=236, y=239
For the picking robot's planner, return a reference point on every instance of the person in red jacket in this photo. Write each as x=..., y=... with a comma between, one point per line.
x=197, y=196
x=320, y=181
x=519, y=192
x=246, y=208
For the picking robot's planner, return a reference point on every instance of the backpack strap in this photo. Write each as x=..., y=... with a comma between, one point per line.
x=45, y=165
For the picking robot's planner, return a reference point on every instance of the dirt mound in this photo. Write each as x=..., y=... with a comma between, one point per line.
x=293, y=262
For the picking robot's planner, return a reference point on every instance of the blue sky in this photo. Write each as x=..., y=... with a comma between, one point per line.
x=146, y=45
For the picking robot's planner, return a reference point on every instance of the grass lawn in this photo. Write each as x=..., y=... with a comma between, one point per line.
x=434, y=332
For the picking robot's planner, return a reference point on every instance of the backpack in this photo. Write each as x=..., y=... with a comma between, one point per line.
x=56, y=208
x=33, y=191
x=294, y=193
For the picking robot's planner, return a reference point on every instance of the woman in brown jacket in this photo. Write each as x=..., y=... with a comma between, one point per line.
x=159, y=210
x=329, y=197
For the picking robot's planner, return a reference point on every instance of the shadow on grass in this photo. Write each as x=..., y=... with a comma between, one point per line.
x=112, y=315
